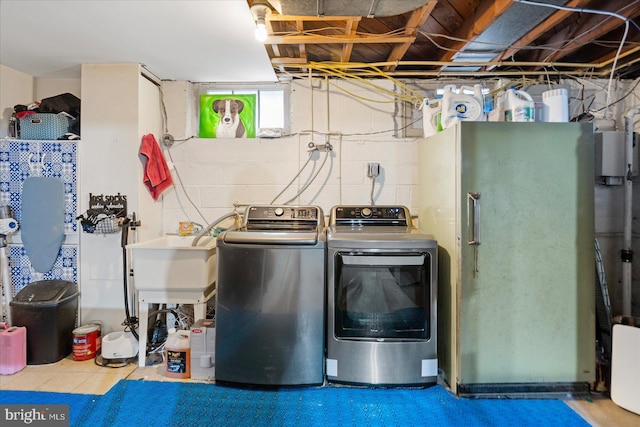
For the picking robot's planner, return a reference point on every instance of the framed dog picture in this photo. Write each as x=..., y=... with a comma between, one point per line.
x=227, y=116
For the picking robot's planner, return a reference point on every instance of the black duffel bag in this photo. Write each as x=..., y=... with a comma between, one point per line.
x=65, y=102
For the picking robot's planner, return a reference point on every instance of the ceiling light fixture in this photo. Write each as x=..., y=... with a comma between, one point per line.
x=260, y=13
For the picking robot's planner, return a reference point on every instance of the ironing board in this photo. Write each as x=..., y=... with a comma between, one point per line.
x=42, y=222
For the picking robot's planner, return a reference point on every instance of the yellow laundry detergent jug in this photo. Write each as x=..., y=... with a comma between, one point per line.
x=458, y=105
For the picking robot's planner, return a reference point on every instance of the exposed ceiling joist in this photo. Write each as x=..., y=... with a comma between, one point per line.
x=338, y=39
x=310, y=18
x=487, y=12
x=350, y=29
x=590, y=26
x=539, y=30
x=445, y=37
x=416, y=20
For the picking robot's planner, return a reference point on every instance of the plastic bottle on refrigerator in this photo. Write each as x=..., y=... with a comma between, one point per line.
x=431, y=116
x=461, y=106
x=518, y=106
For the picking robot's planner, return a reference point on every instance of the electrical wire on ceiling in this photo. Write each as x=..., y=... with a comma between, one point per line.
x=361, y=74
x=629, y=92
x=337, y=70
x=495, y=47
x=406, y=93
x=597, y=12
x=492, y=47
x=577, y=67
x=340, y=35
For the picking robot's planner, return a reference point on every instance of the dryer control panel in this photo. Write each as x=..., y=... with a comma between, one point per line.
x=371, y=215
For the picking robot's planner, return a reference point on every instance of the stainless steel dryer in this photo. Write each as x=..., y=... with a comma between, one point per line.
x=381, y=298
x=270, y=299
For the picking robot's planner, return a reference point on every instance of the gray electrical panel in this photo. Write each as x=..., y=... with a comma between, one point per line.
x=610, y=159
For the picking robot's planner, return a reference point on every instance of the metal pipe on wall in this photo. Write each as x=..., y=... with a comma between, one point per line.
x=627, y=251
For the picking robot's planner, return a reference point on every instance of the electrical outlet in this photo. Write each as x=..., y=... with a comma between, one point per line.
x=373, y=170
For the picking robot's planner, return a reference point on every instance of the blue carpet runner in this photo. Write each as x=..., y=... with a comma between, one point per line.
x=140, y=403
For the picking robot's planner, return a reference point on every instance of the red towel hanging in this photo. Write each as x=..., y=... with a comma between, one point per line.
x=157, y=177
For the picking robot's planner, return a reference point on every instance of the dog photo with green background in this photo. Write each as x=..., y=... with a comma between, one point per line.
x=209, y=119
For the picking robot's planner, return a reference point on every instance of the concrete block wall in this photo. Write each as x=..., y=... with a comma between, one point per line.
x=218, y=173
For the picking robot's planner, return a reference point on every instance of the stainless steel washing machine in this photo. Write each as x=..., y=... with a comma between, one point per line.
x=270, y=305
x=381, y=298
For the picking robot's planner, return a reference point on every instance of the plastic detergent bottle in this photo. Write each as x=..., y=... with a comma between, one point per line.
x=461, y=106
x=178, y=354
x=518, y=106
x=431, y=114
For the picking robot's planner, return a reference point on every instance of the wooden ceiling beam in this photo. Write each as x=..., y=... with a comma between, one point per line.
x=536, y=32
x=415, y=21
x=274, y=47
x=486, y=13
x=283, y=60
x=338, y=39
x=301, y=47
x=589, y=30
x=351, y=28
x=283, y=18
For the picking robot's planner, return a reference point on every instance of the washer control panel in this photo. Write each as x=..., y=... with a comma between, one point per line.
x=281, y=212
x=269, y=217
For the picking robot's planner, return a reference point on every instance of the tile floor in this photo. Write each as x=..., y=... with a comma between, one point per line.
x=71, y=376
x=66, y=376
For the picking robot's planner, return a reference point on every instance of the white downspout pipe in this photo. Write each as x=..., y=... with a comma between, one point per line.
x=627, y=251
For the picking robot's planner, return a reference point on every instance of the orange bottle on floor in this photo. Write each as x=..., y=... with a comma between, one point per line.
x=177, y=352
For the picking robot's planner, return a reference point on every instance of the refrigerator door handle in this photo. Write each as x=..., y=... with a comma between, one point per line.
x=473, y=218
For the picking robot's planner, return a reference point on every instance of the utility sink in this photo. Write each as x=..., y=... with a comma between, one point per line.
x=170, y=263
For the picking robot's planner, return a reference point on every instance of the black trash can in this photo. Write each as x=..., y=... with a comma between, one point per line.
x=48, y=309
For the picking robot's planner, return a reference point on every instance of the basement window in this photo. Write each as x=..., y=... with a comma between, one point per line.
x=265, y=106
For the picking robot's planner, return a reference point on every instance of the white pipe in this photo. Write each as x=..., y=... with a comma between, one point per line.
x=627, y=258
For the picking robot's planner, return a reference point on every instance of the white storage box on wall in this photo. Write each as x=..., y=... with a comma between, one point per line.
x=625, y=363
